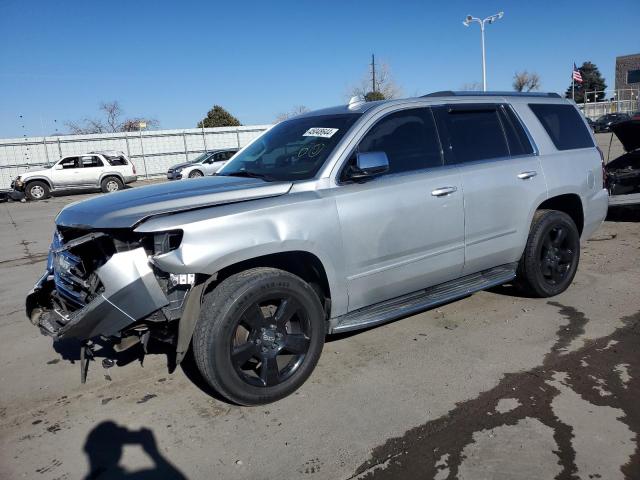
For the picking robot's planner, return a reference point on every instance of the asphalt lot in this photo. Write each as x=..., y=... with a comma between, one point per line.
x=492, y=386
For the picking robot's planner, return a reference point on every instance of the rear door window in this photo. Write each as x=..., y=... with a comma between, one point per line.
x=564, y=125
x=472, y=132
x=91, y=161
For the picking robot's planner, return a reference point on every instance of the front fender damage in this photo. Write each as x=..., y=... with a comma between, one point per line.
x=131, y=292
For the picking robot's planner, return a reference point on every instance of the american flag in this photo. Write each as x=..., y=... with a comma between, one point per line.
x=576, y=75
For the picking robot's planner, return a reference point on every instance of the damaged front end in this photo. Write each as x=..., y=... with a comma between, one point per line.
x=103, y=284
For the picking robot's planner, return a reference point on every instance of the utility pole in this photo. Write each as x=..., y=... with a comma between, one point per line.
x=373, y=73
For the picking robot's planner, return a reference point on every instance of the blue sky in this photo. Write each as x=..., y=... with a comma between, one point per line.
x=173, y=60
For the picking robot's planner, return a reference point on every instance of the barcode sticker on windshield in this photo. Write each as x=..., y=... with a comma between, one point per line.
x=320, y=132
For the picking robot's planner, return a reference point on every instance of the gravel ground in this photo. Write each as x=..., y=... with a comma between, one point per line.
x=493, y=386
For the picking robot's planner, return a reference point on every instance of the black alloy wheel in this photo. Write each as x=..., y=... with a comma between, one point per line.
x=556, y=255
x=550, y=259
x=259, y=335
x=270, y=341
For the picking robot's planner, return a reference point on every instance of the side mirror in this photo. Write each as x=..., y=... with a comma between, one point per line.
x=57, y=167
x=369, y=165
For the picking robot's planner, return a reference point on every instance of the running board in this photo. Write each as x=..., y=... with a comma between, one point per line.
x=421, y=300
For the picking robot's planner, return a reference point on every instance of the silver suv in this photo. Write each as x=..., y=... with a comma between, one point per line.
x=336, y=220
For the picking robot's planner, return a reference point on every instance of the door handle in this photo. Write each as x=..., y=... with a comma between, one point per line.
x=443, y=191
x=527, y=175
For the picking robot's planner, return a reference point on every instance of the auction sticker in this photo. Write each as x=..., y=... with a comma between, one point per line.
x=320, y=132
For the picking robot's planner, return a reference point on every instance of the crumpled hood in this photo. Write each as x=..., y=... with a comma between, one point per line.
x=629, y=134
x=129, y=207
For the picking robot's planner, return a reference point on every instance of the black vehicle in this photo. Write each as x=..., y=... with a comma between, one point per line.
x=623, y=173
x=603, y=124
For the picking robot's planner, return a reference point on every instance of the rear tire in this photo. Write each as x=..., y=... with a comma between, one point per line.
x=111, y=184
x=550, y=259
x=259, y=336
x=37, y=190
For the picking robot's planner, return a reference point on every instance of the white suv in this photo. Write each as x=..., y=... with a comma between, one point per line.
x=108, y=170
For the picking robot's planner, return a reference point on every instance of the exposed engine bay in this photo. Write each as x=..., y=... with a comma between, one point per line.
x=623, y=173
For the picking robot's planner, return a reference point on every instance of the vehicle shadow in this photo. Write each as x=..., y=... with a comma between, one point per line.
x=623, y=214
x=104, y=448
x=69, y=350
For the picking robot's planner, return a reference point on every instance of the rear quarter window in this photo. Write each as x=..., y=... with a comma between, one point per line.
x=563, y=124
x=117, y=161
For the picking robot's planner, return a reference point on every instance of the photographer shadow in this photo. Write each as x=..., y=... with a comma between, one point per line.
x=105, y=446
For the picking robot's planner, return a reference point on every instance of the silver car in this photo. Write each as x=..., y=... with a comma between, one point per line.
x=336, y=220
x=207, y=163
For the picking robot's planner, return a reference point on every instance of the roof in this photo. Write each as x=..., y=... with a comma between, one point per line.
x=450, y=93
x=435, y=97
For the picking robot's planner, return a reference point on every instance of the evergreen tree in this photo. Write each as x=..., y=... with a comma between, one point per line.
x=592, y=80
x=218, y=117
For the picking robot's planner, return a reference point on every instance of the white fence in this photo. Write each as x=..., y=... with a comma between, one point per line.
x=600, y=102
x=152, y=152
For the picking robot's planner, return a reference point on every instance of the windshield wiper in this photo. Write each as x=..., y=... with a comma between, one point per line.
x=250, y=174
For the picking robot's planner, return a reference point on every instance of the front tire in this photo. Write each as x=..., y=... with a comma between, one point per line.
x=259, y=336
x=196, y=174
x=37, y=190
x=550, y=259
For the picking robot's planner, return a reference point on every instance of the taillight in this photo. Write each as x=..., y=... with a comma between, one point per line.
x=604, y=171
x=134, y=167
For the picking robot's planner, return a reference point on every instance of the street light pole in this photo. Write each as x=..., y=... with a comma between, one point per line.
x=484, y=59
x=493, y=18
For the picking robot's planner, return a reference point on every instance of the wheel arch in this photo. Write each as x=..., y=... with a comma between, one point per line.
x=569, y=203
x=38, y=179
x=303, y=263
x=111, y=174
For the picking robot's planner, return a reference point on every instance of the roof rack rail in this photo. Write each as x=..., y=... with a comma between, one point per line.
x=451, y=93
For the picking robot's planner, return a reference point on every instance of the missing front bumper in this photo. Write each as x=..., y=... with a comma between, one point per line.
x=131, y=293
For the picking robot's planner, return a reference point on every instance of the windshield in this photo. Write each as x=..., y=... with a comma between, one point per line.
x=200, y=158
x=292, y=150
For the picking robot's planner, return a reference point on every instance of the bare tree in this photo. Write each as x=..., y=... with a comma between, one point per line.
x=526, y=82
x=86, y=126
x=112, y=112
x=471, y=87
x=296, y=110
x=385, y=86
x=133, y=124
